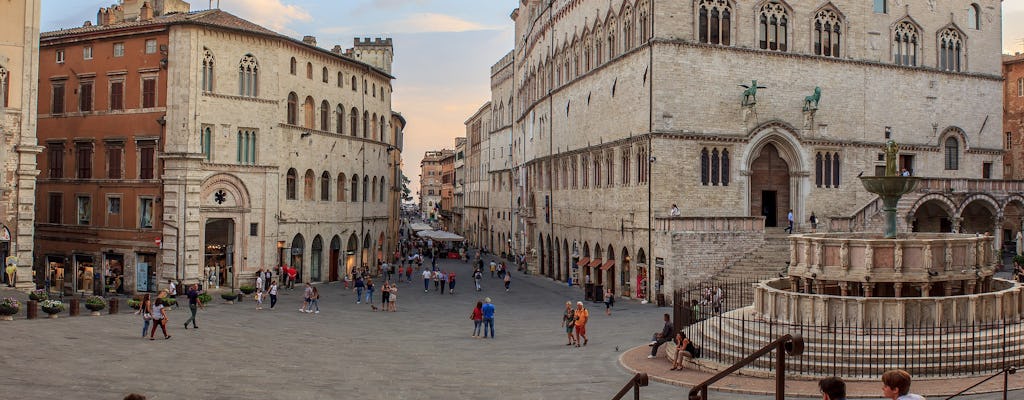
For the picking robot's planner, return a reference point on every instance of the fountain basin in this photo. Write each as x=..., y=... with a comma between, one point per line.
x=886, y=186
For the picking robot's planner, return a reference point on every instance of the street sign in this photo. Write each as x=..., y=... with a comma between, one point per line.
x=158, y=241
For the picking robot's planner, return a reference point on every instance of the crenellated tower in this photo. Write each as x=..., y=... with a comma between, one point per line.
x=377, y=52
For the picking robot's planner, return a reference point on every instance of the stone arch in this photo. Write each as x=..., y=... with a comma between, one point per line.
x=625, y=271
x=956, y=132
x=780, y=134
x=933, y=212
x=237, y=193
x=946, y=203
x=776, y=171
x=985, y=199
x=609, y=273
x=550, y=261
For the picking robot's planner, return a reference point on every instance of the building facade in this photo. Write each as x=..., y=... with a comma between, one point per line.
x=1013, y=116
x=476, y=224
x=729, y=109
x=19, y=82
x=430, y=183
x=266, y=151
x=459, y=187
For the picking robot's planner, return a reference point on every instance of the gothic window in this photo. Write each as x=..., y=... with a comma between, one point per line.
x=974, y=17
x=309, y=70
x=714, y=167
x=610, y=168
x=353, y=121
x=597, y=170
x=290, y=184
x=952, y=153
x=773, y=26
x=381, y=127
x=642, y=163
x=355, y=188
x=308, y=113
x=354, y=83
x=307, y=186
x=325, y=77
x=325, y=186
x=366, y=184
x=381, y=192
x=5, y=84
x=725, y=167
x=373, y=189
x=827, y=32
x=705, y=176
x=625, y=165
x=643, y=22
x=208, y=71
x=826, y=169
x=366, y=123
x=340, y=80
x=248, y=76
x=905, y=41
x=573, y=169
x=714, y=22
x=325, y=116
x=340, y=197
x=627, y=32
x=294, y=66
x=339, y=119
x=206, y=141
x=585, y=161
x=951, y=46
x=293, y=108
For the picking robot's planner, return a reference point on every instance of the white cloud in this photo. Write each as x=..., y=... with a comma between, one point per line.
x=433, y=22
x=272, y=14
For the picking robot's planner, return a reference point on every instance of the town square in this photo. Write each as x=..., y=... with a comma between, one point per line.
x=512, y=199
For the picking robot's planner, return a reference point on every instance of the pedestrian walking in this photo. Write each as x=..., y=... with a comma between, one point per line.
x=273, y=294
x=359, y=285
x=314, y=301
x=369, y=293
x=451, y=282
x=478, y=318
x=401, y=271
x=569, y=322
x=393, y=302
x=443, y=278
x=508, y=281
x=292, y=273
x=408, y=273
x=193, y=305
x=789, y=218
x=307, y=292
x=426, y=280
x=493, y=267
x=609, y=301
x=268, y=277
x=385, y=296
x=582, y=316
x=488, y=314
x=159, y=319
x=477, y=276
x=259, y=294
x=146, y=311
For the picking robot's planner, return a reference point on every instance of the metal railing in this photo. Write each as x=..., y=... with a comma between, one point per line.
x=785, y=345
x=1006, y=372
x=634, y=384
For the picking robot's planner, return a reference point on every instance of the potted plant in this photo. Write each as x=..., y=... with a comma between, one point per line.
x=52, y=307
x=229, y=297
x=170, y=301
x=38, y=295
x=134, y=303
x=9, y=307
x=205, y=298
x=246, y=289
x=95, y=304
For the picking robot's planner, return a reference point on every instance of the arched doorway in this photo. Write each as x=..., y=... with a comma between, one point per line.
x=641, y=274
x=365, y=259
x=334, y=262
x=557, y=272
x=978, y=215
x=540, y=249
x=298, y=245
x=351, y=258
x=566, y=261
x=551, y=259
x=934, y=214
x=608, y=269
x=380, y=247
x=219, y=251
x=770, y=186
x=1013, y=218
x=585, y=261
x=595, y=265
x=316, y=258
x=624, y=272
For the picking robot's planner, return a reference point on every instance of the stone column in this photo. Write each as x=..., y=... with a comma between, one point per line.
x=956, y=224
x=926, y=289
x=897, y=289
x=868, y=288
x=844, y=289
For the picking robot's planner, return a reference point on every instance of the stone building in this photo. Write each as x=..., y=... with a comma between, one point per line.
x=447, y=190
x=458, y=186
x=19, y=82
x=1013, y=116
x=430, y=183
x=266, y=150
x=476, y=224
x=731, y=110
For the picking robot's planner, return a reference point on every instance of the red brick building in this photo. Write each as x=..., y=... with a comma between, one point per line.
x=1013, y=116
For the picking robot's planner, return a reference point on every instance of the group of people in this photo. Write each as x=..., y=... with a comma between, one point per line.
x=895, y=386
x=155, y=313
x=483, y=316
x=574, y=320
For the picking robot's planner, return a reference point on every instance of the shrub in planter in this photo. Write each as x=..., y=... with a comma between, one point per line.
x=205, y=298
x=229, y=296
x=134, y=304
x=9, y=306
x=95, y=303
x=38, y=295
x=170, y=301
x=52, y=306
x=247, y=289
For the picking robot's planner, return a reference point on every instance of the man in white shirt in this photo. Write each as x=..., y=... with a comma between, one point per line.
x=426, y=280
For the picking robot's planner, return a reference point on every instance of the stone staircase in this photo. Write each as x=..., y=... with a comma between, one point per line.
x=854, y=355
x=768, y=260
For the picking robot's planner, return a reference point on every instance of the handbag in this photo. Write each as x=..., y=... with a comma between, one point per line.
x=147, y=316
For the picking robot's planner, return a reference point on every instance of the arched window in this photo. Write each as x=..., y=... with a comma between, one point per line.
x=309, y=70
x=309, y=113
x=705, y=163
x=974, y=17
x=324, y=77
x=373, y=128
x=355, y=188
x=773, y=26
x=373, y=189
x=818, y=179
x=308, y=189
x=293, y=111
x=294, y=65
x=207, y=141
x=340, y=196
x=641, y=166
x=366, y=184
x=627, y=32
x=366, y=124
x=339, y=119
x=290, y=185
x=643, y=23
x=725, y=167
x=325, y=116
x=714, y=167
x=585, y=170
x=835, y=170
x=325, y=186
x=353, y=122
x=354, y=83
x=905, y=39
x=248, y=76
x=382, y=127
x=208, y=61
x=340, y=79
x=382, y=189
x=951, y=48
x=714, y=22
x=827, y=32
x=626, y=154
x=952, y=153
x=826, y=169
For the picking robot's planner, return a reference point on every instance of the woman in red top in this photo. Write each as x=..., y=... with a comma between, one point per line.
x=478, y=318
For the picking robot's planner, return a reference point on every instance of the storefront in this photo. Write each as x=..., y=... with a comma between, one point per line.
x=145, y=272
x=84, y=279
x=296, y=262
x=113, y=272
x=55, y=265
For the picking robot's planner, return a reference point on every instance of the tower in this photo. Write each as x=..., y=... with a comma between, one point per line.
x=377, y=52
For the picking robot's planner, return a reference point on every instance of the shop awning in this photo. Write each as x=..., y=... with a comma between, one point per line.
x=608, y=264
x=595, y=263
x=583, y=262
x=441, y=236
x=416, y=226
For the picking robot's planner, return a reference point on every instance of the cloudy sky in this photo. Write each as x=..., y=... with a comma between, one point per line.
x=443, y=49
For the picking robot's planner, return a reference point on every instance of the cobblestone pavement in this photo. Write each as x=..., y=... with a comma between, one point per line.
x=423, y=351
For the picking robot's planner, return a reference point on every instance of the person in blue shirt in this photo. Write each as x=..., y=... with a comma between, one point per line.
x=488, y=310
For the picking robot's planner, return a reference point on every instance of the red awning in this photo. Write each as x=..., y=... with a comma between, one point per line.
x=583, y=262
x=608, y=264
x=595, y=263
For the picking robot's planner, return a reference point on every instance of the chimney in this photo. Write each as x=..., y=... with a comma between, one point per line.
x=87, y=24
x=309, y=39
x=146, y=12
